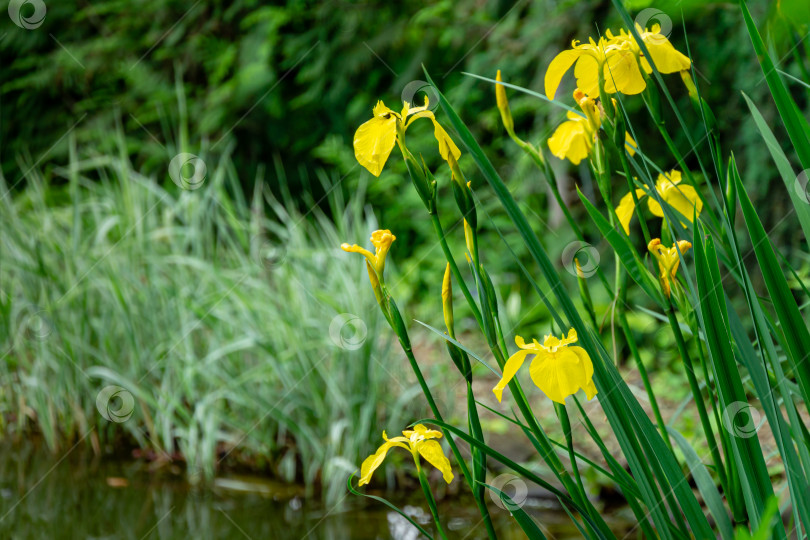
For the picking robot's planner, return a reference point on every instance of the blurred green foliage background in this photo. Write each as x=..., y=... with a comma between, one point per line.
x=280, y=88
x=284, y=86
x=292, y=81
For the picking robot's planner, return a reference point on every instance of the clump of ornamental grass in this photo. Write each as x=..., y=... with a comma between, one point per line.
x=192, y=324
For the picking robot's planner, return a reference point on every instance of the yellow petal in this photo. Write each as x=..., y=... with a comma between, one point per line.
x=554, y=74
x=500, y=93
x=408, y=110
x=446, y=144
x=571, y=338
x=626, y=207
x=682, y=198
x=587, y=73
x=509, y=370
x=520, y=342
x=425, y=432
x=571, y=141
x=622, y=73
x=562, y=373
x=433, y=454
x=372, y=462
x=362, y=251
x=590, y=390
x=585, y=359
x=665, y=57
x=380, y=109
x=630, y=145
x=373, y=142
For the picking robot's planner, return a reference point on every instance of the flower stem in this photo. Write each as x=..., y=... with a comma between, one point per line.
x=429, y=396
x=429, y=496
x=479, y=459
x=565, y=423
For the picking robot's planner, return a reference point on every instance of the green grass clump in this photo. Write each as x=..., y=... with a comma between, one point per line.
x=219, y=316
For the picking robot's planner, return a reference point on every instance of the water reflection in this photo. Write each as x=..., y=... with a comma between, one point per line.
x=43, y=496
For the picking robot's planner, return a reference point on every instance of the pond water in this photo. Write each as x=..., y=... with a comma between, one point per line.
x=77, y=496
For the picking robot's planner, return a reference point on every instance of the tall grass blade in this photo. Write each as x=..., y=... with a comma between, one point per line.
x=795, y=331
x=705, y=485
x=746, y=450
x=795, y=124
x=526, y=523
x=802, y=205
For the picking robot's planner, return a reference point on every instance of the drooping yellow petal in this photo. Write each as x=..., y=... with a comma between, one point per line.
x=562, y=373
x=622, y=73
x=626, y=207
x=586, y=71
x=511, y=368
x=590, y=390
x=432, y=452
x=585, y=359
x=559, y=65
x=571, y=140
x=446, y=144
x=372, y=462
x=665, y=57
x=374, y=140
x=682, y=198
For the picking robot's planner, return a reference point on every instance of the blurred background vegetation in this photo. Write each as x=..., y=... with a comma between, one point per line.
x=96, y=101
x=285, y=86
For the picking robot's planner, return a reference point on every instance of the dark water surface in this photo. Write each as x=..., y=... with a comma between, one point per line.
x=48, y=496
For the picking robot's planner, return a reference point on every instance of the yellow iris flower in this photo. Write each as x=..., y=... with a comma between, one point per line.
x=617, y=57
x=668, y=261
x=374, y=140
x=615, y=60
x=574, y=138
x=420, y=442
x=381, y=240
x=558, y=369
x=665, y=57
x=683, y=198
